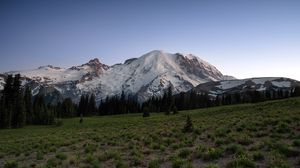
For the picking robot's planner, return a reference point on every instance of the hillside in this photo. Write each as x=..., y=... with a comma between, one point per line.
x=265, y=134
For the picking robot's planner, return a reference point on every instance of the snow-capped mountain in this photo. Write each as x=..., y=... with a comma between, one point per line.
x=153, y=73
x=244, y=85
x=146, y=76
x=54, y=75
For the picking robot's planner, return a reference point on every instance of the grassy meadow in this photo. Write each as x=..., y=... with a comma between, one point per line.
x=249, y=135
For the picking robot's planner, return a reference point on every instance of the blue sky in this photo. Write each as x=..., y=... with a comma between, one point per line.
x=243, y=38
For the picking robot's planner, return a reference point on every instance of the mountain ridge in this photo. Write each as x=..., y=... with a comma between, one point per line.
x=143, y=77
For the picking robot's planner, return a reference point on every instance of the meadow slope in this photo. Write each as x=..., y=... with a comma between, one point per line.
x=249, y=135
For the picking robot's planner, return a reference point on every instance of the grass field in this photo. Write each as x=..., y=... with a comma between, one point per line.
x=249, y=135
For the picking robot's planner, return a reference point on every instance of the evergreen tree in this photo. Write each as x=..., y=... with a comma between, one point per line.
x=67, y=108
x=175, y=111
x=170, y=100
x=91, y=109
x=28, y=106
x=1, y=110
x=19, y=117
x=86, y=105
x=188, y=127
x=296, y=91
x=7, y=102
x=146, y=112
x=41, y=114
x=81, y=106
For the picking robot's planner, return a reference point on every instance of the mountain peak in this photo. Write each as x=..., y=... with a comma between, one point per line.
x=94, y=61
x=155, y=53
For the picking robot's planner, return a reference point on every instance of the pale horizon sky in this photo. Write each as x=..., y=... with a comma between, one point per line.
x=242, y=38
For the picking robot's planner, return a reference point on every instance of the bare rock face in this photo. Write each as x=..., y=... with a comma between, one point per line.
x=196, y=66
x=97, y=67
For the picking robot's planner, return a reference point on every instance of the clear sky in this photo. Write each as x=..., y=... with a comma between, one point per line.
x=243, y=38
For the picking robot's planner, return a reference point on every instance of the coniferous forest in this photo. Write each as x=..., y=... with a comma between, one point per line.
x=18, y=107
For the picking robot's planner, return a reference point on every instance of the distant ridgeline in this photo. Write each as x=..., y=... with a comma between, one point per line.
x=18, y=107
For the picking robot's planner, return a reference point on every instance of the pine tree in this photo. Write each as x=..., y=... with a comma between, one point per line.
x=146, y=112
x=28, y=106
x=7, y=102
x=175, y=111
x=41, y=113
x=67, y=108
x=188, y=127
x=1, y=110
x=92, y=105
x=86, y=105
x=81, y=106
x=296, y=91
x=18, y=117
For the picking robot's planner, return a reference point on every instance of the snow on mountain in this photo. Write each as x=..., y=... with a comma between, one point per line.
x=227, y=77
x=146, y=76
x=54, y=75
x=258, y=84
x=1, y=83
x=151, y=74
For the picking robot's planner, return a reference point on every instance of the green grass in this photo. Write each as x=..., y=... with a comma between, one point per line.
x=250, y=135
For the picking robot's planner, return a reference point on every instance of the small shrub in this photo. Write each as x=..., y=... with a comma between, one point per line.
x=244, y=140
x=278, y=161
x=52, y=149
x=241, y=162
x=234, y=149
x=212, y=166
x=282, y=128
x=178, y=163
x=221, y=132
x=90, y=148
x=11, y=164
x=286, y=150
x=221, y=141
x=61, y=156
x=120, y=164
x=136, y=161
x=197, y=131
x=58, y=123
x=184, y=153
x=52, y=163
x=90, y=159
x=109, y=155
x=154, y=163
x=258, y=156
x=39, y=156
x=211, y=154
x=296, y=143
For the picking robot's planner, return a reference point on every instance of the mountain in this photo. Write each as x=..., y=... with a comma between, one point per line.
x=143, y=77
x=244, y=85
x=153, y=73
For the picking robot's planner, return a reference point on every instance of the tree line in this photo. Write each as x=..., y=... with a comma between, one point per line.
x=194, y=100
x=18, y=107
